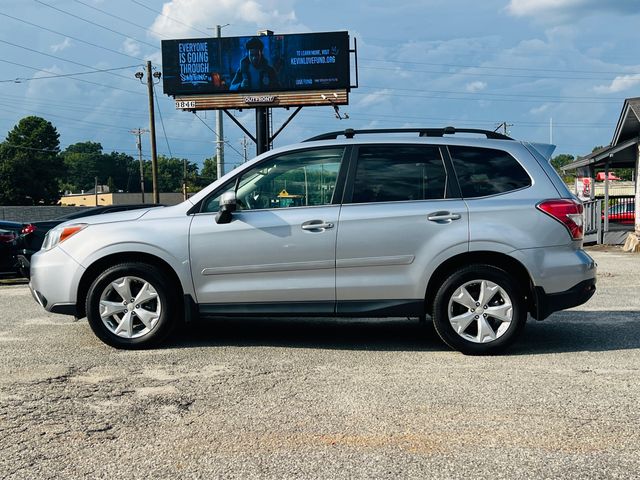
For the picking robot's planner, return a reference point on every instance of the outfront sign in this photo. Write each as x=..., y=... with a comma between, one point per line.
x=255, y=65
x=278, y=99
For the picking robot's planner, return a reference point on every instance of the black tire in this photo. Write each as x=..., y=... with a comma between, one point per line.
x=468, y=340
x=159, y=309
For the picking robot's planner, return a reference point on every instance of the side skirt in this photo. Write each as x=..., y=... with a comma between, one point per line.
x=351, y=308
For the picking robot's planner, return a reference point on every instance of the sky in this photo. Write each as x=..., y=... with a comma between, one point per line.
x=554, y=70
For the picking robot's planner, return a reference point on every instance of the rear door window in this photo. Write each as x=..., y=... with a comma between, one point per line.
x=485, y=171
x=399, y=173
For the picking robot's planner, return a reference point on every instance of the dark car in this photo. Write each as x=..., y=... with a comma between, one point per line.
x=9, y=234
x=33, y=233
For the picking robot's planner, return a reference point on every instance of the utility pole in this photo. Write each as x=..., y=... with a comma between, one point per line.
x=138, y=133
x=152, y=130
x=219, y=127
x=184, y=179
x=245, y=143
x=504, y=126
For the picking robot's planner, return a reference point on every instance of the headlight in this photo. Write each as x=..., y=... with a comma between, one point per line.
x=60, y=234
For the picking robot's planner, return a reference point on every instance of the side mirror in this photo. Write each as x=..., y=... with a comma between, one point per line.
x=228, y=204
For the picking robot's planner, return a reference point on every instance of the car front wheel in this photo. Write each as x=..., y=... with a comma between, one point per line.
x=479, y=310
x=129, y=306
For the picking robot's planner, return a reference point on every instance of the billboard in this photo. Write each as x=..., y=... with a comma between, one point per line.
x=258, y=64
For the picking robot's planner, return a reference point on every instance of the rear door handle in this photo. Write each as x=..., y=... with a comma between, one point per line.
x=443, y=216
x=316, y=225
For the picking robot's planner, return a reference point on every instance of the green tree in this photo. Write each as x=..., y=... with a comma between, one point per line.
x=560, y=161
x=124, y=170
x=83, y=162
x=209, y=170
x=30, y=165
x=171, y=173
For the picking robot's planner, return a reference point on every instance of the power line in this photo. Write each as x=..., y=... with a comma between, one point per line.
x=71, y=37
x=78, y=120
x=161, y=120
x=527, y=69
x=179, y=118
x=205, y=124
x=22, y=147
x=478, y=74
x=516, y=95
x=72, y=78
x=58, y=58
x=172, y=19
x=438, y=96
x=74, y=106
x=116, y=150
x=96, y=24
x=120, y=18
x=63, y=75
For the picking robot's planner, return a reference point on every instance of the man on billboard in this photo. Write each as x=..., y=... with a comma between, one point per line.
x=255, y=73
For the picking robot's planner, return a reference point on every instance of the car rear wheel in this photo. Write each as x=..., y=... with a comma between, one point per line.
x=479, y=310
x=129, y=306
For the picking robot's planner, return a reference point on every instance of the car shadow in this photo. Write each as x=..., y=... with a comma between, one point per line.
x=569, y=331
x=323, y=333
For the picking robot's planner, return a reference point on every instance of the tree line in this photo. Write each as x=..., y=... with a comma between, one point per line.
x=34, y=170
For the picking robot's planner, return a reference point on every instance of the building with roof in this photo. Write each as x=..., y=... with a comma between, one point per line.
x=622, y=152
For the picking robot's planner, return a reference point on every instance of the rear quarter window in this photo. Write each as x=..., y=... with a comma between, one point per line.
x=486, y=171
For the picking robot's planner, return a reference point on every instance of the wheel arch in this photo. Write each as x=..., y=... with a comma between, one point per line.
x=100, y=265
x=499, y=260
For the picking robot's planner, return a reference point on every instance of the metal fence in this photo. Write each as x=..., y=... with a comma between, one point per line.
x=593, y=221
x=597, y=223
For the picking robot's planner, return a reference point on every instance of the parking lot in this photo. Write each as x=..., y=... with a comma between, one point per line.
x=318, y=398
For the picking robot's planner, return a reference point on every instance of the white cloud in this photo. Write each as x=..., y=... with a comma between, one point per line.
x=475, y=87
x=619, y=84
x=374, y=98
x=540, y=109
x=66, y=43
x=179, y=16
x=561, y=11
x=131, y=47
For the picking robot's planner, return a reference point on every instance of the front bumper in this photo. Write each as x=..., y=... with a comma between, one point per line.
x=547, y=303
x=54, y=281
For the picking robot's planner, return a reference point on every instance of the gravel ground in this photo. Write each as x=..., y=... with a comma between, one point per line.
x=317, y=398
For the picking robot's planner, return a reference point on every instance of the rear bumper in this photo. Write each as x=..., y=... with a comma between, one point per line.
x=547, y=303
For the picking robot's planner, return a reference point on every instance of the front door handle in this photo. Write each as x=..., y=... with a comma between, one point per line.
x=316, y=225
x=443, y=216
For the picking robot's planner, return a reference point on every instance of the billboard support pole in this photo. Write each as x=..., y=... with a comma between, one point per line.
x=240, y=126
x=273, y=137
x=262, y=130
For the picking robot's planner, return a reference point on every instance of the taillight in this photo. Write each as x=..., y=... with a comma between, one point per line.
x=568, y=212
x=27, y=229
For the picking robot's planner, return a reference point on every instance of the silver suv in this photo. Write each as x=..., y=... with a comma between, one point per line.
x=475, y=231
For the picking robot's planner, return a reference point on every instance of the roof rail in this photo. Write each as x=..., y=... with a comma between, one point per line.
x=423, y=132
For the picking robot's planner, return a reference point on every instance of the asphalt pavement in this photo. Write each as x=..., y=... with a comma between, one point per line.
x=318, y=398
